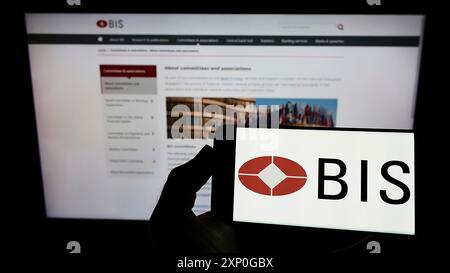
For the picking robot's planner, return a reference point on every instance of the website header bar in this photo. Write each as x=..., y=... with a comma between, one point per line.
x=406, y=41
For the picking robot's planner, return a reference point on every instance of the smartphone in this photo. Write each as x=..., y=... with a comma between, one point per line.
x=325, y=183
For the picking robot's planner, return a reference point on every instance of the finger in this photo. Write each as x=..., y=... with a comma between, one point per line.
x=185, y=180
x=195, y=173
x=174, y=208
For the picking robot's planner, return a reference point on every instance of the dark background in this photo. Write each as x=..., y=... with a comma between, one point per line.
x=29, y=232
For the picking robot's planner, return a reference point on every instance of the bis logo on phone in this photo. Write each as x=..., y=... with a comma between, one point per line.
x=272, y=175
x=338, y=179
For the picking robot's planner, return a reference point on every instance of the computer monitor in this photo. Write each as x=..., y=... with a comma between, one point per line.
x=121, y=99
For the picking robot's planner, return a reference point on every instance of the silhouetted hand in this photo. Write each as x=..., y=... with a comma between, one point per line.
x=173, y=225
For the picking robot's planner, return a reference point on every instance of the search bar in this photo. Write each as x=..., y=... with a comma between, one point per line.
x=307, y=27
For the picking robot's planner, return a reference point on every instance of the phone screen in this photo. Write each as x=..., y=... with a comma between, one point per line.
x=336, y=179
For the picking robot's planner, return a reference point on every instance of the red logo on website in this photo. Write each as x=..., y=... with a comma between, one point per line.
x=102, y=23
x=272, y=175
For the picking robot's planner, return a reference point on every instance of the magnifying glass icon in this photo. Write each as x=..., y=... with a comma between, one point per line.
x=340, y=26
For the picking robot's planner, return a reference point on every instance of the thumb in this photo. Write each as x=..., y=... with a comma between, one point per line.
x=185, y=180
